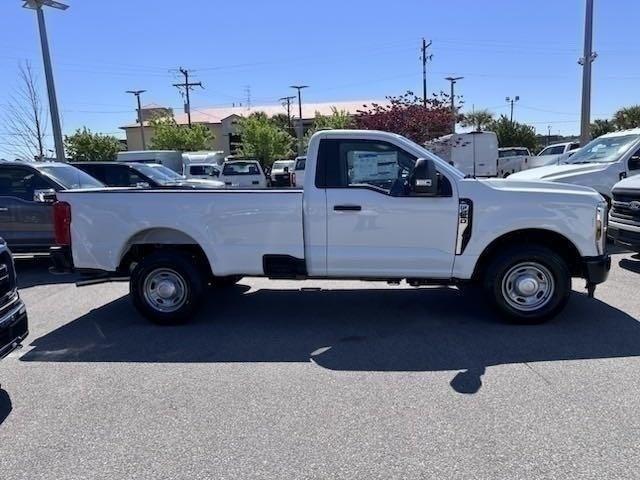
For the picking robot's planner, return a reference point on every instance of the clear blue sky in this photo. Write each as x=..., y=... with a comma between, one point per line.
x=345, y=50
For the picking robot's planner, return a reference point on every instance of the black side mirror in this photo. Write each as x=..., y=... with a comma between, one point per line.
x=423, y=179
x=286, y=169
x=634, y=162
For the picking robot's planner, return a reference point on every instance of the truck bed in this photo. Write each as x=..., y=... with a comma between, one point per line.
x=235, y=228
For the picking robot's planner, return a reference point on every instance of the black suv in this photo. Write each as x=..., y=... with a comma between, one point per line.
x=13, y=314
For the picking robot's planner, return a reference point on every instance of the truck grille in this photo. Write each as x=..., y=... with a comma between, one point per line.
x=625, y=208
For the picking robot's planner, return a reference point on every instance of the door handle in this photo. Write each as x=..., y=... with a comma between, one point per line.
x=4, y=209
x=347, y=208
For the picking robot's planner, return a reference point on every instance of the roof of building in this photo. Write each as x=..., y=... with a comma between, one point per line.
x=216, y=115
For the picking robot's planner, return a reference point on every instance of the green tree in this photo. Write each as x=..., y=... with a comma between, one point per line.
x=480, y=119
x=513, y=134
x=263, y=140
x=600, y=127
x=628, y=117
x=84, y=145
x=168, y=135
x=338, y=120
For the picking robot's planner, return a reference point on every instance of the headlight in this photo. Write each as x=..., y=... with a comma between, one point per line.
x=601, y=227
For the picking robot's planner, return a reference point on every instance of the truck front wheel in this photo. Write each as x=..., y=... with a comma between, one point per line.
x=528, y=284
x=166, y=287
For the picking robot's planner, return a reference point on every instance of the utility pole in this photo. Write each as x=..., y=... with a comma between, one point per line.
x=453, y=81
x=137, y=95
x=586, y=61
x=512, y=101
x=425, y=58
x=187, y=87
x=288, y=102
x=300, y=126
x=548, y=135
x=48, y=70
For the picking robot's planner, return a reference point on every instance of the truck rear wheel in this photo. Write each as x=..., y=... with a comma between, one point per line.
x=166, y=287
x=528, y=284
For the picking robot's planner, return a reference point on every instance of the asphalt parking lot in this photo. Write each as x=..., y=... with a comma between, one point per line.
x=340, y=380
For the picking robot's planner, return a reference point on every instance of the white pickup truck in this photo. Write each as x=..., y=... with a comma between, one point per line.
x=374, y=206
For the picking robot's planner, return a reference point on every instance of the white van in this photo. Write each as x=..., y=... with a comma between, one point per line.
x=600, y=164
x=169, y=158
x=473, y=153
x=243, y=173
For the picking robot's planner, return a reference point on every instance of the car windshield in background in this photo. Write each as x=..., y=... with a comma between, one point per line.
x=153, y=173
x=300, y=164
x=280, y=164
x=553, y=150
x=70, y=177
x=241, y=168
x=165, y=170
x=209, y=170
x=604, y=149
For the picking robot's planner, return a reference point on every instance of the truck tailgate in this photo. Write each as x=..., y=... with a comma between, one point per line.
x=235, y=228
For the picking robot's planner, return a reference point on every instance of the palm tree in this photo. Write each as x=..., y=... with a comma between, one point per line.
x=480, y=119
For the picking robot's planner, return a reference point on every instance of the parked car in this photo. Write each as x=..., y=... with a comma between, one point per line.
x=600, y=164
x=281, y=172
x=512, y=160
x=473, y=153
x=243, y=173
x=377, y=206
x=169, y=158
x=203, y=171
x=552, y=154
x=298, y=172
x=27, y=192
x=14, y=326
x=141, y=175
x=624, y=217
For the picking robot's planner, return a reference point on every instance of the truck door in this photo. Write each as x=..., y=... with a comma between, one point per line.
x=24, y=223
x=375, y=228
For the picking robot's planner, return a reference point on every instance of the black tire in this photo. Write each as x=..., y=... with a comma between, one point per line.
x=174, y=265
x=225, y=282
x=544, y=263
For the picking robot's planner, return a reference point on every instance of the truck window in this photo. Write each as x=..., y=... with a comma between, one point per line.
x=21, y=183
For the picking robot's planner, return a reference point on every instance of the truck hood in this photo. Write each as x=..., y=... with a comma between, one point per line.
x=631, y=183
x=559, y=173
x=536, y=186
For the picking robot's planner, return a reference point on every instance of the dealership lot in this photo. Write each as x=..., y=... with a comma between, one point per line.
x=273, y=382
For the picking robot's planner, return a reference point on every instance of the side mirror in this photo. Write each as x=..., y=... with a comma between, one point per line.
x=634, y=162
x=44, y=196
x=423, y=179
x=286, y=169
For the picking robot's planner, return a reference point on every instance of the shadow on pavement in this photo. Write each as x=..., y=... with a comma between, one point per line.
x=5, y=405
x=348, y=330
x=630, y=265
x=33, y=271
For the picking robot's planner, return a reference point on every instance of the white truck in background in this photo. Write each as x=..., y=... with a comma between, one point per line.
x=169, y=158
x=375, y=206
x=553, y=154
x=512, y=160
x=473, y=153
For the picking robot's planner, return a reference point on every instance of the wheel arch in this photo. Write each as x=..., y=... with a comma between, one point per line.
x=532, y=236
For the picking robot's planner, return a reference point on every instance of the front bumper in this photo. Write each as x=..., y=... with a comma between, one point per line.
x=596, y=269
x=625, y=237
x=14, y=327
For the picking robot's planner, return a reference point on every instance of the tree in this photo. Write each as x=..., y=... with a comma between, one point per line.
x=168, y=135
x=86, y=146
x=480, y=119
x=513, y=134
x=628, y=117
x=600, y=127
x=407, y=116
x=25, y=118
x=338, y=120
x=263, y=140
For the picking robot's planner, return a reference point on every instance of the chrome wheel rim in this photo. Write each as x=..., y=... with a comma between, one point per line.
x=165, y=290
x=528, y=286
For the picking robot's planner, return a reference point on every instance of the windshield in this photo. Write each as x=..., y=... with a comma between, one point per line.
x=153, y=173
x=208, y=170
x=165, y=170
x=552, y=150
x=300, y=163
x=70, y=177
x=241, y=168
x=280, y=164
x=603, y=149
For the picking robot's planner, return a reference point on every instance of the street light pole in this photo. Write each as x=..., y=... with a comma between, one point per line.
x=512, y=101
x=140, y=121
x=453, y=81
x=586, y=61
x=300, y=126
x=48, y=71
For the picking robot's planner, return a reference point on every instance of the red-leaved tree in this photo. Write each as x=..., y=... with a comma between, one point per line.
x=407, y=116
